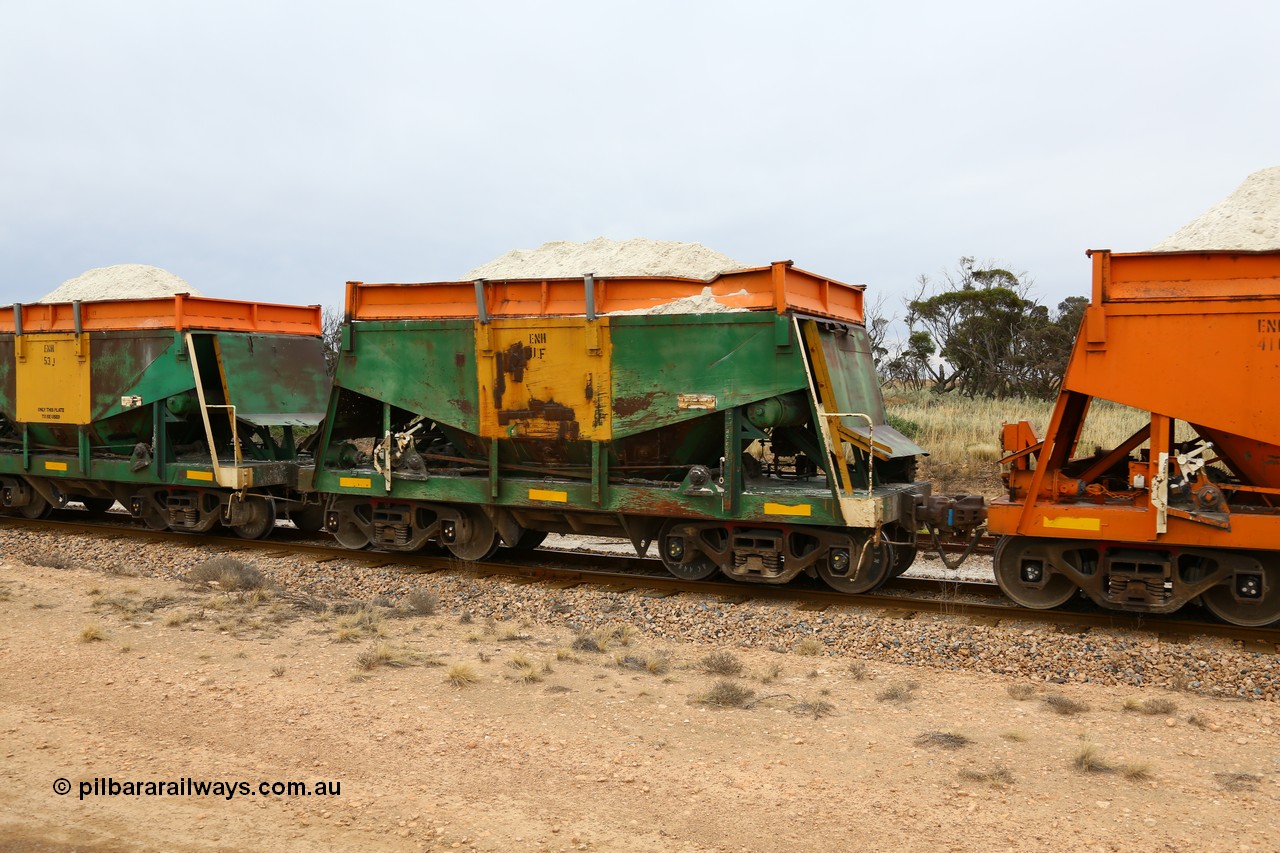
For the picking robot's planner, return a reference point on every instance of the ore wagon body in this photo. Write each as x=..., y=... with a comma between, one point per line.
x=1187, y=507
x=183, y=409
x=752, y=440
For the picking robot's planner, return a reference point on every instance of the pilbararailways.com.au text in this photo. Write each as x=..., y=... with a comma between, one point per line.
x=188, y=787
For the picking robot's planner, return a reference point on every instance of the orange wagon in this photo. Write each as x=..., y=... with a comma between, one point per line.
x=1188, y=507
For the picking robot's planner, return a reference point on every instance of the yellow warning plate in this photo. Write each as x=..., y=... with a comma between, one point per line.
x=355, y=482
x=548, y=495
x=207, y=476
x=1067, y=522
x=55, y=466
x=782, y=509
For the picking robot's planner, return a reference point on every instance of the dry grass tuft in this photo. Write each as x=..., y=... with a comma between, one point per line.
x=124, y=606
x=721, y=663
x=901, y=692
x=230, y=574
x=858, y=671
x=958, y=432
x=420, y=602
x=604, y=638
x=1016, y=737
x=1198, y=721
x=277, y=671
x=362, y=622
x=817, y=710
x=771, y=674
x=1160, y=706
x=997, y=776
x=92, y=633
x=727, y=694
x=526, y=671
x=1238, y=781
x=654, y=664
x=179, y=617
x=383, y=654
x=586, y=643
x=461, y=675
x=1136, y=772
x=810, y=647
x=943, y=740
x=1021, y=692
x=1087, y=760
x=1064, y=705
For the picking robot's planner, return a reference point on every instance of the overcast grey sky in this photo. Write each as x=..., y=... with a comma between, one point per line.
x=270, y=150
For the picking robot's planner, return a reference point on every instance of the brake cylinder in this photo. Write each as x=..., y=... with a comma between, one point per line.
x=789, y=410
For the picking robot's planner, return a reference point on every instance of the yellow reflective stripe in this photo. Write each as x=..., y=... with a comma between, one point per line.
x=783, y=509
x=207, y=476
x=547, y=495
x=55, y=466
x=1068, y=522
x=355, y=482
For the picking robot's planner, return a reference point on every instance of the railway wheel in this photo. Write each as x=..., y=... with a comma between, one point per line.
x=97, y=507
x=471, y=537
x=256, y=518
x=1248, y=599
x=679, y=556
x=349, y=534
x=153, y=519
x=1025, y=576
x=903, y=556
x=860, y=568
x=37, y=507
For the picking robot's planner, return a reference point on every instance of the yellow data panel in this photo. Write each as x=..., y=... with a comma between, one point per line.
x=544, y=378
x=52, y=380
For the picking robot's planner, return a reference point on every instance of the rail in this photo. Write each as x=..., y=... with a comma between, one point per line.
x=953, y=598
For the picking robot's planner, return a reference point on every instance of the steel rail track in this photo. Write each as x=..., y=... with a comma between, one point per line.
x=903, y=597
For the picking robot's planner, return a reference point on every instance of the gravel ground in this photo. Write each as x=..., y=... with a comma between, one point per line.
x=1020, y=650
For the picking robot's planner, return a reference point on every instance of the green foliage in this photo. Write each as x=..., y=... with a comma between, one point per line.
x=980, y=333
x=906, y=426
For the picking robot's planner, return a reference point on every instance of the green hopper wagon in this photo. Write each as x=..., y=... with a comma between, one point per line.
x=186, y=410
x=748, y=436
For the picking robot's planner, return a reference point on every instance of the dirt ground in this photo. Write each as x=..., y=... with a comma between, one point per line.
x=551, y=748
